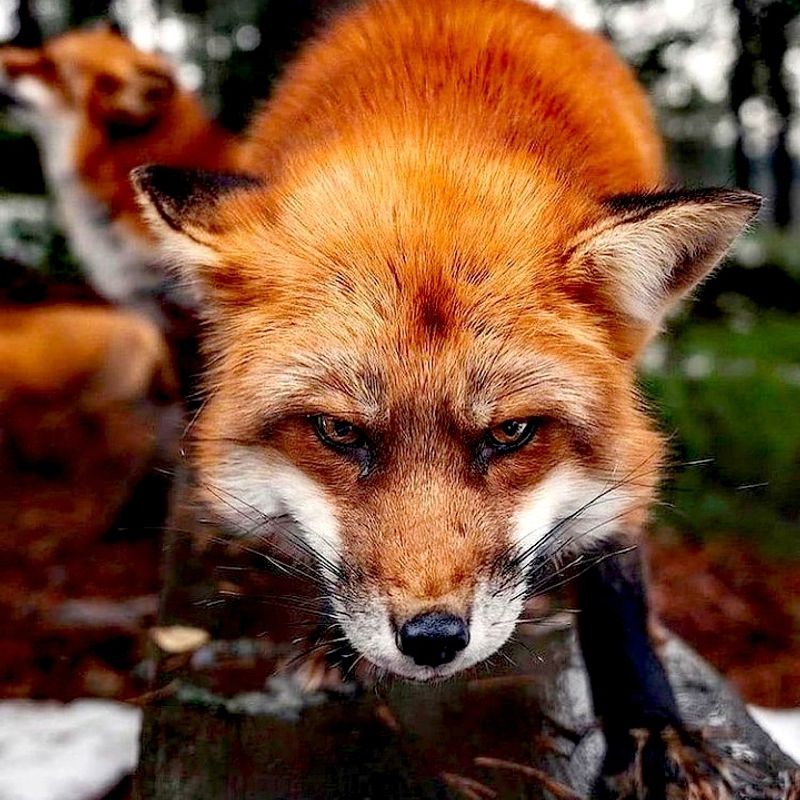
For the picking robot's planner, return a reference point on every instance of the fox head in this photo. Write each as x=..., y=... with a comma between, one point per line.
x=94, y=73
x=431, y=371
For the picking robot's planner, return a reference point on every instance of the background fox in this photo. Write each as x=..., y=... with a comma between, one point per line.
x=98, y=107
x=425, y=299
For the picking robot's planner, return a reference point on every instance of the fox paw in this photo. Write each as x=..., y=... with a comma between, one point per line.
x=671, y=763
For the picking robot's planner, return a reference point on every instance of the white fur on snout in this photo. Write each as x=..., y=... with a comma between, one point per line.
x=566, y=511
x=250, y=486
x=570, y=508
x=493, y=617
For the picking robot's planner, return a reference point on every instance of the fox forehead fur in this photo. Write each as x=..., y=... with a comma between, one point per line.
x=452, y=220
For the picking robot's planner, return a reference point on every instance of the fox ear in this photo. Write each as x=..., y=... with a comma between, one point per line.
x=181, y=208
x=654, y=248
x=17, y=61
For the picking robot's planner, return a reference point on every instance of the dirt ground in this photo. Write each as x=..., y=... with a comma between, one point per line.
x=739, y=610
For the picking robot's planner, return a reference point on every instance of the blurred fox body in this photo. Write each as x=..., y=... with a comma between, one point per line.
x=103, y=354
x=424, y=304
x=99, y=107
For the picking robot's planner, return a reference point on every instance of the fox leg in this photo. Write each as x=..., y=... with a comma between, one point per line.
x=646, y=741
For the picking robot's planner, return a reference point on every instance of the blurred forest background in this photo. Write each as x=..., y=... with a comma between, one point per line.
x=724, y=76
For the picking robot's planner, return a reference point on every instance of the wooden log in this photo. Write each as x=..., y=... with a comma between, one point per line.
x=251, y=715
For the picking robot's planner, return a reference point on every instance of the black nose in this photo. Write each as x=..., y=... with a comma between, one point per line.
x=433, y=639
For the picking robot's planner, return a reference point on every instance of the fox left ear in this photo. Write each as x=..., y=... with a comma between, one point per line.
x=181, y=207
x=654, y=248
x=17, y=61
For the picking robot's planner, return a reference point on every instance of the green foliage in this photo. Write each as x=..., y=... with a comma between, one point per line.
x=772, y=246
x=29, y=236
x=732, y=394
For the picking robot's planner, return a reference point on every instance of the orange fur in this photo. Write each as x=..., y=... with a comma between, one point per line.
x=102, y=354
x=486, y=76
x=470, y=148
x=429, y=252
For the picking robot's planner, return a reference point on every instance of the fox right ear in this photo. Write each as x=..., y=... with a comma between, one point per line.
x=181, y=208
x=654, y=248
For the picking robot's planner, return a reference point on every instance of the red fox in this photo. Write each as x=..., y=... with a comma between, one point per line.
x=425, y=299
x=99, y=107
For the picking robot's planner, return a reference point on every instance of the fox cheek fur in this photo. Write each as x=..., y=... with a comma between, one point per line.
x=440, y=244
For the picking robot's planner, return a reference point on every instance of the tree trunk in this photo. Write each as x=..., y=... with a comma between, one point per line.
x=29, y=33
x=775, y=20
x=80, y=12
x=742, y=85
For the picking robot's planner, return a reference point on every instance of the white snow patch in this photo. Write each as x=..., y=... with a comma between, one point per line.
x=77, y=751
x=782, y=726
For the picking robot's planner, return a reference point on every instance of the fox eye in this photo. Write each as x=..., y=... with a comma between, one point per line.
x=107, y=84
x=338, y=433
x=511, y=434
